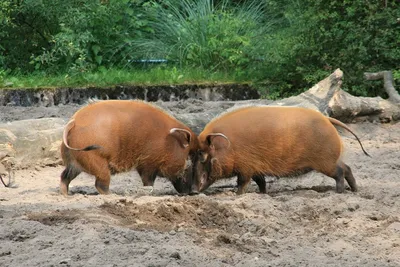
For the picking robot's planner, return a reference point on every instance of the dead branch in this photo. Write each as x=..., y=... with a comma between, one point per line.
x=388, y=83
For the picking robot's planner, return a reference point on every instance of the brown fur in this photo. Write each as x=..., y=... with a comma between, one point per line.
x=276, y=141
x=114, y=136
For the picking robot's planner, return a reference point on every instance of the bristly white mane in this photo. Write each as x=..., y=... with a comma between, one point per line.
x=91, y=100
x=244, y=106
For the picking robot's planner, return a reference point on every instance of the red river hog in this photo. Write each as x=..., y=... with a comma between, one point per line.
x=113, y=136
x=254, y=141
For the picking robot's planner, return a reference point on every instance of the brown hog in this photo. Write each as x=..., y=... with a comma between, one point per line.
x=114, y=136
x=254, y=141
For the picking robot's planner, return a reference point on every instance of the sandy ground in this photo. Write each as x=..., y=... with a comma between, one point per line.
x=300, y=222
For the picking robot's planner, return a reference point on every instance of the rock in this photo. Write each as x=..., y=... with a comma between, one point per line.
x=6, y=136
x=36, y=142
x=394, y=227
x=172, y=232
x=377, y=216
x=175, y=255
x=7, y=253
x=65, y=262
x=225, y=238
x=353, y=207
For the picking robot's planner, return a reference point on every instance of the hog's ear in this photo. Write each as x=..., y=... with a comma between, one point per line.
x=214, y=141
x=182, y=135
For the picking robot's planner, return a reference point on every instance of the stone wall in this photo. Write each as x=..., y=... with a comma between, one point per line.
x=55, y=96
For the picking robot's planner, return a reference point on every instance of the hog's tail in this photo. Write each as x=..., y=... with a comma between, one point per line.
x=341, y=124
x=67, y=128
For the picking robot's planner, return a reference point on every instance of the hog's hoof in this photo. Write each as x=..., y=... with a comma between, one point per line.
x=240, y=192
x=354, y=189
x=102, y=188
x=103, y=192
x=64, y=189
x=148, y=188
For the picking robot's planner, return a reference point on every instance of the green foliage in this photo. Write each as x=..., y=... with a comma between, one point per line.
x=396, y=75
x=3, y=75
x=92, y=33
x=25, y=27
x=356, y=36
x=285, y=46
x=67, y=35
x=201, y=34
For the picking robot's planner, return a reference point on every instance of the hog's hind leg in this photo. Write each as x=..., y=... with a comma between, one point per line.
x=341, y=173
x=103, y=176
x=348, y=174
x=337, y=172
x=260, y=181
x=99, y=167
x=70, y=172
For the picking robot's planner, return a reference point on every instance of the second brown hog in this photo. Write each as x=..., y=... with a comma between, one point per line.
x=254, y=141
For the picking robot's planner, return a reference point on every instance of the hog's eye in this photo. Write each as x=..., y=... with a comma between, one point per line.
x=202, y=156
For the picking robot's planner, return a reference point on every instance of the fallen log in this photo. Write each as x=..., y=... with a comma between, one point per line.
x=328, y=97
x=388, y=83
x=347, y=108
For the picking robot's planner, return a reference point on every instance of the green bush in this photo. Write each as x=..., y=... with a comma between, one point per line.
x=26, y=27
x=67, y=35
x=205, y=35
x=92, y=34
x=284, y=45
x=319, y=36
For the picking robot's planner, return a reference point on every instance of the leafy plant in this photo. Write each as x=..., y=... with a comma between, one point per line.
x=318, y=37
x=203, y=34
x=285, y=45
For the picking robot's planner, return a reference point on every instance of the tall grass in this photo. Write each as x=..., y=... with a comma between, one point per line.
x=109, y=77
x=203, y=34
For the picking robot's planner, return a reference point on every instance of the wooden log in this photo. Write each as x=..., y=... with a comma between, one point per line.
x=388, y=83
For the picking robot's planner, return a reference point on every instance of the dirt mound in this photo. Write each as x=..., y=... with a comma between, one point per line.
x=188, y=213
x=185, y=213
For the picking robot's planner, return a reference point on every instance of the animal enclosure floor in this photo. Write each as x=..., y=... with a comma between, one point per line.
x=300, y=222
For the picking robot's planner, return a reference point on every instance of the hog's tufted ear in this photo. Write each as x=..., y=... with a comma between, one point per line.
x=211, y=139
x=182, y=135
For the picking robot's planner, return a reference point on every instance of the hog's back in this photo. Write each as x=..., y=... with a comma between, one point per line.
x=125, y=130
